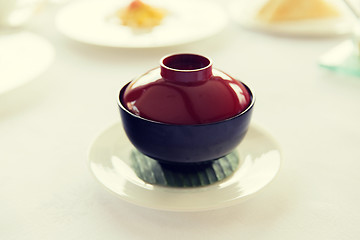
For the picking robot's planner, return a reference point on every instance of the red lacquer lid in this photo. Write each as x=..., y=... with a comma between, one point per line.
x=186, y=90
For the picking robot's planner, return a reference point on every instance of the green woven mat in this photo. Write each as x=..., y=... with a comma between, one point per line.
x=184, y=175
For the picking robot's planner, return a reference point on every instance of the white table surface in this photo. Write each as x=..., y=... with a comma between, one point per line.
x=47, y=125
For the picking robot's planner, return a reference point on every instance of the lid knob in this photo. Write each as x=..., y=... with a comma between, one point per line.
x=186, y=68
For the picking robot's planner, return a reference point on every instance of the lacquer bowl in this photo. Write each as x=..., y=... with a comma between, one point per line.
x=185, y=111
x=173, y=143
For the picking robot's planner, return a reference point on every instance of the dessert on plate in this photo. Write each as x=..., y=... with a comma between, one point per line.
x=141, y=15
x=294, y=10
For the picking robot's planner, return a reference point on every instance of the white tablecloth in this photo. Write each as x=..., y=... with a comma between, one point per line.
x=47, y=125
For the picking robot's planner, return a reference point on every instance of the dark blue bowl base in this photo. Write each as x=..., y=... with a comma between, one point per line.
x=183, y=175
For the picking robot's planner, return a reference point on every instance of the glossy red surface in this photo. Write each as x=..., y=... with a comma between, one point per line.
x=185, y=98
x=168, y=102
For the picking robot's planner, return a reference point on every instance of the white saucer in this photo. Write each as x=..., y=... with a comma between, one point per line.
x=24, y=56
x=92, y=22
x=260, y=161
x=244, y=11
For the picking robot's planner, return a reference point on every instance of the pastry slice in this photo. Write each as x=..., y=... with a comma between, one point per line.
x=295, y=10
x=140, y=15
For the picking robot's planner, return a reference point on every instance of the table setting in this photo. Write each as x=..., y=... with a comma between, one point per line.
x=187, y=120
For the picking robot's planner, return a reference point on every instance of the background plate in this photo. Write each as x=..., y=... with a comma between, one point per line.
x=92, y=22
x=244, y=11
x=24, y=56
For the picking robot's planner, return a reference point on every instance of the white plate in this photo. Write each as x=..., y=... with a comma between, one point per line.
x=92, y=22
x=244, y=11
x=109, y=162
x=23, y=57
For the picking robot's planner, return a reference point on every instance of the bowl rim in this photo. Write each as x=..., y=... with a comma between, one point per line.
x=120, y=104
